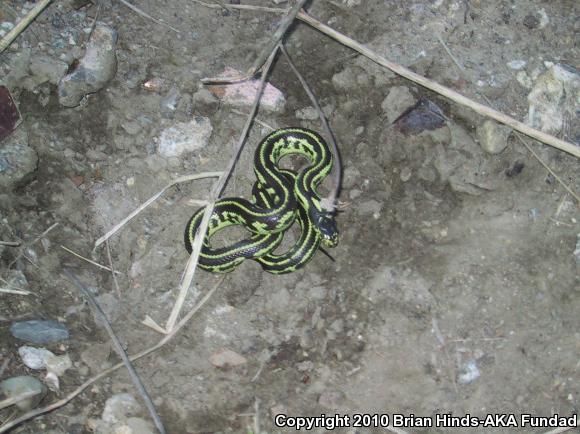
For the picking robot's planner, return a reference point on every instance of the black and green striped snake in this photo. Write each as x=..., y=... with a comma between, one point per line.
x=279, y=198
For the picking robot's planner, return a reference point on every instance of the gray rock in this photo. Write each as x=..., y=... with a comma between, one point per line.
x=397, y=101
x=39, y=331
x=493, y=136
x=95, y=69
x=185, y=137
x=17, y=386
x=18, y=161
x=225, y=358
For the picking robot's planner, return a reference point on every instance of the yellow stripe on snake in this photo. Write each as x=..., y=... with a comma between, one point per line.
x=280, y=197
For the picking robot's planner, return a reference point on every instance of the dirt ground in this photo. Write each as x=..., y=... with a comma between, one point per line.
x=455, y=288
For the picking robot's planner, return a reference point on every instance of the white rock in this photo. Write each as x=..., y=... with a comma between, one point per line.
x=41, y=358
x=34, y=358
x=185, y=137
x=555, y=95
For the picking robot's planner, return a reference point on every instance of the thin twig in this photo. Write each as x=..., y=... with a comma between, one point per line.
x=120, y=350
x=266, y=51
x=39, y=411
x=146, y=15
x=442, y=90
x=241, y=7
x=109, y=257
x=449, y=53
x=481, y=109
x=10, y=243
x=96, y=264
x=330, y=202
x=4, y=366
x=217, y=192
x=153, y=199
x=275, y=39
x=19, y=28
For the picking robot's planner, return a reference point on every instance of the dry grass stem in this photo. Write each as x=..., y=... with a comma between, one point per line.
x=10, y=243
x=19, y=28
x=120, y=350
x=256, y=120
x=14, y=291
x=153, y=199
x=55, y=405
x=149, y=17
x=442, y=90
x=217, y=192
x=110, y=258
x=449, y=53
x=96, y=264
x=241, y=7
x=16, y=399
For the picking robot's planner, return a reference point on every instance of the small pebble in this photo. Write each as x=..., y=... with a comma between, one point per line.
x=469, y=373
x=307, y=113
x=493, y=136
x=39, y=331
x=406, y=174
x=225, y=359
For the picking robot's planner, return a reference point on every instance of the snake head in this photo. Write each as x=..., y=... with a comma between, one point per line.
x=327, y=229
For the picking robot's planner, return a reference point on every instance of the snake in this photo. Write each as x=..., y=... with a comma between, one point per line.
x=279, y=198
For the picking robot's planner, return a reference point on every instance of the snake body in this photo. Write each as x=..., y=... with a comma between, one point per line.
x=279, y=198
